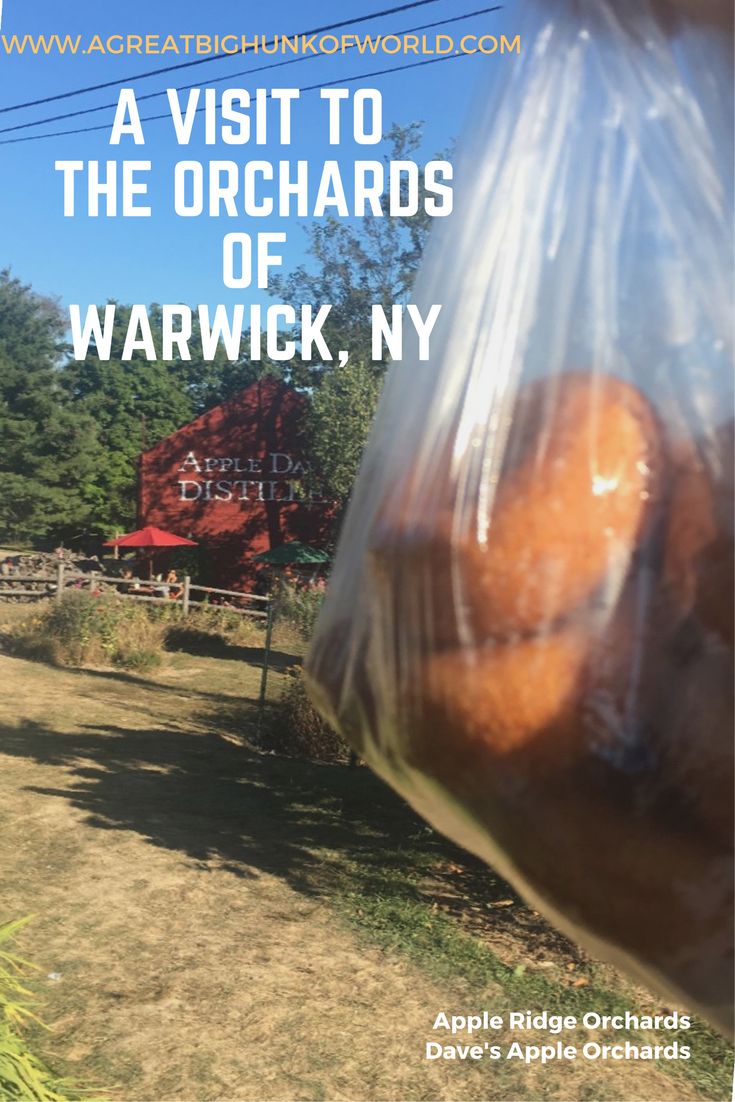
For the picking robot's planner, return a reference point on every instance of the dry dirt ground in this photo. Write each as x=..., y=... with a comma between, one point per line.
x=185, y=953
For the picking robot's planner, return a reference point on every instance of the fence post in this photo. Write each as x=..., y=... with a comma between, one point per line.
x=59, y=581
x=266, y=661
x=186, y=595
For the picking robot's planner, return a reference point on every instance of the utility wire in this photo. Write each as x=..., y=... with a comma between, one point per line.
x=306, y=88
x=231, y=76
x=212, y=57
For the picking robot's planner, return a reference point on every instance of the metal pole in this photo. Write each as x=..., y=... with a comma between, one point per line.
x=59, y=581
x=186, y=595
x=266, y=660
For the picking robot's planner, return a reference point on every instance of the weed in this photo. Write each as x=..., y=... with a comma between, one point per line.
x=82, y=629
x=299, y=605
x=294, y=727
x=23, y=1077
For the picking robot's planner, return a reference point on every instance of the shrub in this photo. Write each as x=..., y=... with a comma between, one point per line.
x=234, y=627
x=82, y=629
x=294, y=727
x=212, y=631
x=299, y=605
x=139, y=659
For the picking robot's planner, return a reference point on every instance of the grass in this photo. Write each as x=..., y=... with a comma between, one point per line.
x=214, y=858
x=447, y=954
x=294, y=727
x=380, y=896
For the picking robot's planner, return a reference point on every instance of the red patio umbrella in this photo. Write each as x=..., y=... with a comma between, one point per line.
x=150, y=537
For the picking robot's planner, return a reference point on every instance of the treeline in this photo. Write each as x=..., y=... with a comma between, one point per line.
x=71, y=431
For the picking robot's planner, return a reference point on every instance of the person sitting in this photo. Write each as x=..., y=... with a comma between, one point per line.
x=125, y=577
x=172, y=580
x=160, y=588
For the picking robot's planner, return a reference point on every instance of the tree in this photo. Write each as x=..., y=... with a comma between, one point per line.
x=340, y=415
x=133, y=404
x=354, y=265
x=136, y=402
x=50, y=452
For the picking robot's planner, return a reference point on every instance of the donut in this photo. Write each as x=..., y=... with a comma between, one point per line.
x=506, y=702
x=700, y=555
x=692, y=727
x=579, y=491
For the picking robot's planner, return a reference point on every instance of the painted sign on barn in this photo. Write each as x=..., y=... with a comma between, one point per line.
x=238, y=481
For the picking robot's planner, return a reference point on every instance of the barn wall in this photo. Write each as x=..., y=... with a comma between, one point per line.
x=230, y=481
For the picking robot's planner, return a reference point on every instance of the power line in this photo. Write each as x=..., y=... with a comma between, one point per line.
x=306, y=88
x=213, y=57
x=231, y=76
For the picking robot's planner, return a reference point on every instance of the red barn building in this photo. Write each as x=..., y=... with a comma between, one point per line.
x=236, y=481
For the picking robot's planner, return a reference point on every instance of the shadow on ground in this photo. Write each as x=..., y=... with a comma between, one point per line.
x=216, y=801
x=225, y=805
x=206, y=644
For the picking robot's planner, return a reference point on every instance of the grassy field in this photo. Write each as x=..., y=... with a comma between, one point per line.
x=215, y=923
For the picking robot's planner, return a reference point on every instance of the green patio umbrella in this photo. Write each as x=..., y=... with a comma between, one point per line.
x=292, y=553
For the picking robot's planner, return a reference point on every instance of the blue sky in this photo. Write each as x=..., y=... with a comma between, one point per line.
x=165, y=258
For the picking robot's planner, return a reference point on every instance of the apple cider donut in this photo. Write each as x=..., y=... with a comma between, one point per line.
x=582, y=482
x=699, y=560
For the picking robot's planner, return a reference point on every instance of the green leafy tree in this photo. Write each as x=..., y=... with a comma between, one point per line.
x=136, y=402
x=50, y=452
x=340, y=415
x=207, y=383
x=353, y=266
x=133, y=403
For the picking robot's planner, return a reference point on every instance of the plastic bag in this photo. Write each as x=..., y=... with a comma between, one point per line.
x=528, y=630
